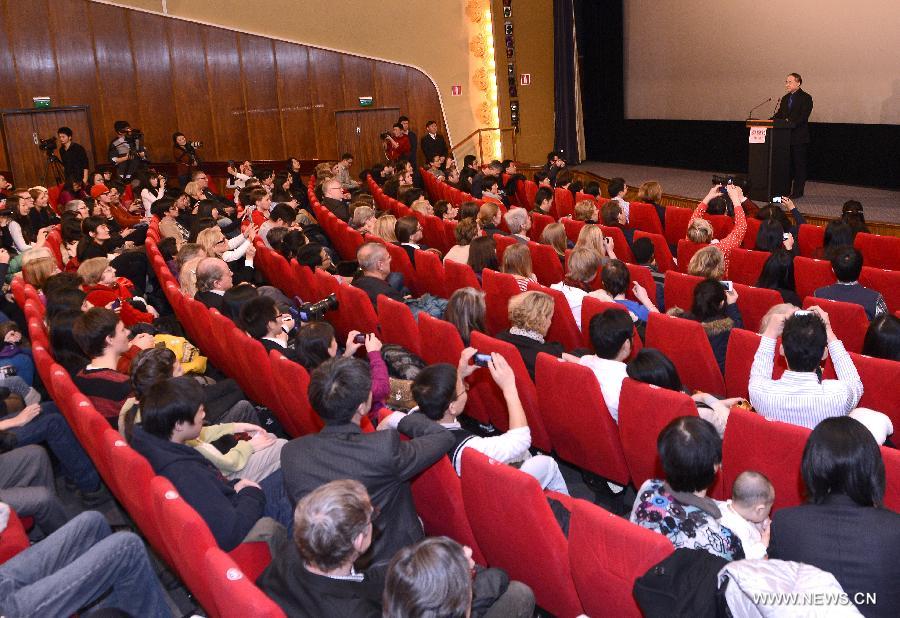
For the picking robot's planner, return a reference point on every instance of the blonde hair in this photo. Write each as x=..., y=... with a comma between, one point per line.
x=584, y=209
x=208, y=239
x=517, y=260
x=700, y=231
x=708, y=263
x=187, y=277
x=650, y=192
x=192, y=188
x=532, y=311
x=591, y=237
x=582, y=265
x=37, y=271
x=90, y=271
x=384, y=228
x=487, y=213
x=421, y=207
x=555, y=236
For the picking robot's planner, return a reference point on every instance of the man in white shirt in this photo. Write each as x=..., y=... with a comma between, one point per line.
x=617, y=189
x=441, y=394
x=611, y=333
x=800, y=397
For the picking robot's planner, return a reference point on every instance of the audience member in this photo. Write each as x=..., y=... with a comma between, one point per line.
x=543, y=201
x=717, y=311
x=613, y=215
x=529, y=318
x=483, y=254
x=517, y=262
x=611, y=335
x=518, y=222
x=465, y=231
x=586, y=210
x=489, y=217
x=651, y=193
x=465, y=310
x=746, y=514
x=582, y=271
x=736, y=236
x=883, y=338
x=554, y=235
x=616, y=277
x=617, y=190
x=213, y=278
x=384, y=227
x=708, y=262
x=375, y=264
x=778, y=274
x=103, y=339
x=847, y=265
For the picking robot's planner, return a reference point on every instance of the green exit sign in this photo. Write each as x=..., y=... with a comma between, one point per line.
x=40, y=102
x=365, y=101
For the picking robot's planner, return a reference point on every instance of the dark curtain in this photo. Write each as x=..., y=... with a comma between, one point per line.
x=566, y=137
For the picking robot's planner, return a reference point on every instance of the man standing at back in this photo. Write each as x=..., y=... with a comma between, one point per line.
x=795, y=107
x=433, y=144
x=340, y=390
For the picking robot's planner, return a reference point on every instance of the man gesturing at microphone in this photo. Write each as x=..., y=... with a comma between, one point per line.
x=795, y=107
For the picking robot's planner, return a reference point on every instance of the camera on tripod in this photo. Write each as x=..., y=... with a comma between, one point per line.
x=133, y=136
x=47, y=145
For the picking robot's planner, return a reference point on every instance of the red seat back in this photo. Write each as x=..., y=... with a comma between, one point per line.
x=306, y=282
x=776, y=449
x=592, y=306
x=502, y=242
x=643, y=217
x=441, y=342
x=752, y=231
x=848, y=321
x=607, y=554
x=458, y=276
x=545, y=263
x=754, y=303
x=538, y=223
x=661, y=251
x=620, y=245
x=400, y=263
x=679, y=290
x=433, y=232
x=13, y=539
x=642, y=275
x=644, y=410
x=573, y=228
x=879, y=251
x=563, y=328
x=686, y=344
x=563, y=203
x=499, y=288
x=511, y=519
x=580, y=425
x=811, y=239
x=891, y=457
x=676, y=225
x=880, y=378
x=430, y=273
x=232, y=592
x=745, y=266
x=887, y=282
x=810, y=275
x=722, y=225
x=354, y=312
x=686, y=250
x=398, y=325
x=291, y=383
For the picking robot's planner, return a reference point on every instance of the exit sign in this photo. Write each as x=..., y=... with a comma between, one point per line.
x=365, y=101
x=525, y=79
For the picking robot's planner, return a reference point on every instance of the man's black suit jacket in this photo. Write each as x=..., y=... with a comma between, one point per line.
x=212, y=300
x=381, y=461
x=338, y=208
x=798, y=115
x=858, y=545
x=432, y=146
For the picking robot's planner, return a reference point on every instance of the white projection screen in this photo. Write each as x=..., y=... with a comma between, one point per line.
x=702, y=60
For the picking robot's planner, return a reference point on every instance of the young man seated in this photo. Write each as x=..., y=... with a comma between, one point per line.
x=263, y=320
x=441, y=394
x=235, y=511
x=800, y=396
x=847, y=264
x=615, y=277
x=103, y=339
x=340, y=391
x=281, y=215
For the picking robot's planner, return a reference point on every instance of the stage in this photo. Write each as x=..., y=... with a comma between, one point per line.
x=822, y=199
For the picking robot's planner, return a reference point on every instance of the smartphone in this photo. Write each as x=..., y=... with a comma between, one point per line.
x=481, y=360
x=116, y=304
x=785, y=236
x=802, y=312
x=728, y=285
x=776, y=199
x=360, y=338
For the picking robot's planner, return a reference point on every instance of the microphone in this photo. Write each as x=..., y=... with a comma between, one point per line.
x=750, y=115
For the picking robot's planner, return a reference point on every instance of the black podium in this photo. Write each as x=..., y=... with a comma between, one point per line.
x=769, y=161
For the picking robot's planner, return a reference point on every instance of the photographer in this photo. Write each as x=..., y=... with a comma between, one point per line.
x=74, y=157
x=185, y=155
x=127, y=151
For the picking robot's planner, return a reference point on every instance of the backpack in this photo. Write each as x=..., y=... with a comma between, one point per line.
x=683, y=584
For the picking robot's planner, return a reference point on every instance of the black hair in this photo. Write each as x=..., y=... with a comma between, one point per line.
x=469, y=160
x=434, y=389
x=65, y=131
x=411, y=195
x=838, y=234
x=643, y=250
x=92, y=328
x=205, y=208
x=690, y=449
x=168, y=247
x=292, y=243
x=615, y=277
x=169, y=402
x=778, y=271
x=842, y=457
x=149, y=367
x=256, y=314
x=609, y=331
x=653, y=367
x=402, y=118
x=717, y=205
x=310, y=255
x=853, y=207
x=797, y=77
x=489, y=181
x=405, y=228
x=709, y=300
x=804, y=341
x=338, y=387
x=160, y=207
x=592, y=188
x=883, y=338
x=770, y=235
x=282, y=212
x=234, y=299
x=63, y=346
x=313, y=341
x=543, y=194
x=847, y=264
x=616, y=186
x=119, y=126
x=279, y=195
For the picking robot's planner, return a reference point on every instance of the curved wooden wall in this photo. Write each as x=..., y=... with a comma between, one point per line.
x=244, y=96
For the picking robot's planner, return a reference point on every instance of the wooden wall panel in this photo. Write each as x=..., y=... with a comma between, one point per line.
x=297, y=115
x=261, y=95
x=223, y=63
x=244, y=96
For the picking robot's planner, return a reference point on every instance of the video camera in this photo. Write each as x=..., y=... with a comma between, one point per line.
x=47, y=145
x=133, y=137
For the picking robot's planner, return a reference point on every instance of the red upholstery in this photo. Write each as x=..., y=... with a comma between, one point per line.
x=437, y=493
x=281, y=275
x=879, y=251
x=433, y=232
x=255, y=376
x=891, y=457
x=458, y=276
x=498, y=289
x=291, y=382
x=686, y=250
x=232, y=592
x=722, y=225
x=13, y=539
x=306, y=280
x=441, y=342
x=563, y=328
x=745, y=266
x=620, y=245
x=607, y=554
x=591, y=307
x=750, y=236
x=754, y=303
x=400, y=263
x=661, y=251
x=573, y=228
x=880, y=378
x=686, y=344
x=643, y=217
x=502, y=242
x=37, y=332
x=676, y=225
x=538, y=223
x=489, y=393
x=885, y=281
x=810, y=275
x=644, y=410
x=517, y=531
x=811, y=239
x=771, y=447
x=563, y=203
x=545, y=263
x=354, y=312
x=679, y=290
x=580, y=426
x=398, y=325
x=642, y=275
x=430, y=273
x=742, y=346
x=848, y=321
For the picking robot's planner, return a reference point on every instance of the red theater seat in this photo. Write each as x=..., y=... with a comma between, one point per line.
x=848, y=321
x=745, y=266
x=686, y=344
x=879, y=251
x=810, y=275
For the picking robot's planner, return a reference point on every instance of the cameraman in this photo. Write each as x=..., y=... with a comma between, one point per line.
x=127, y=151
x=185, y=155
x=74, y=157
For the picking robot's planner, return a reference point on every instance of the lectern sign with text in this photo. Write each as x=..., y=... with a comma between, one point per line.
x=757, y=135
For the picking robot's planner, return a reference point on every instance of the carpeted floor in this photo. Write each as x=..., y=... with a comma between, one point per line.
x=821, y=198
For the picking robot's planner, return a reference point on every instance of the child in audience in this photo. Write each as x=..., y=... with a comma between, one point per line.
x=747, y=513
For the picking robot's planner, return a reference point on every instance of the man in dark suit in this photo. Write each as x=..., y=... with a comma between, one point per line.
x=795, y=107
x=333, y=199
x=340, y=390
x=213, y=279
x=433, y=144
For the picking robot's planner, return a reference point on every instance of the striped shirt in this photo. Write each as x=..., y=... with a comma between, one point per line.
x=798, y=397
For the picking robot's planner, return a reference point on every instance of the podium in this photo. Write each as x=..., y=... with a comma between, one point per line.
x=769, y=161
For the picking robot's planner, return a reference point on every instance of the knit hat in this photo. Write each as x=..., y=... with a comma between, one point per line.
x=98, y=190
x=101, y=298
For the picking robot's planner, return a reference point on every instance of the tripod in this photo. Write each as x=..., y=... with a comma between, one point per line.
x=53, y=169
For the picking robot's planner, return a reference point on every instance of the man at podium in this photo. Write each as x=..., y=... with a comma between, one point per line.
x=795, y=107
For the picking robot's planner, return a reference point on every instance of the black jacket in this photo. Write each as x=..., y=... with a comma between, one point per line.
x=433, y=146
x=304, y=594
x=798, y=115
x=338, y=208
x=858, y=545
x=212, y=301
x=374, y=287
x=380, y=461
x=229, y=515
x=528, y=348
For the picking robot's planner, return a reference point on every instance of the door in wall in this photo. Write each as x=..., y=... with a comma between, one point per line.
x=24, y=128
x=358, y=131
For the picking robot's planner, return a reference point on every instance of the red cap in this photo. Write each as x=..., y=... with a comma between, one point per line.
x=98, y=190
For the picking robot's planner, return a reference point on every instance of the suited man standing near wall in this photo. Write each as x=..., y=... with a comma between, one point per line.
x=796, y=106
